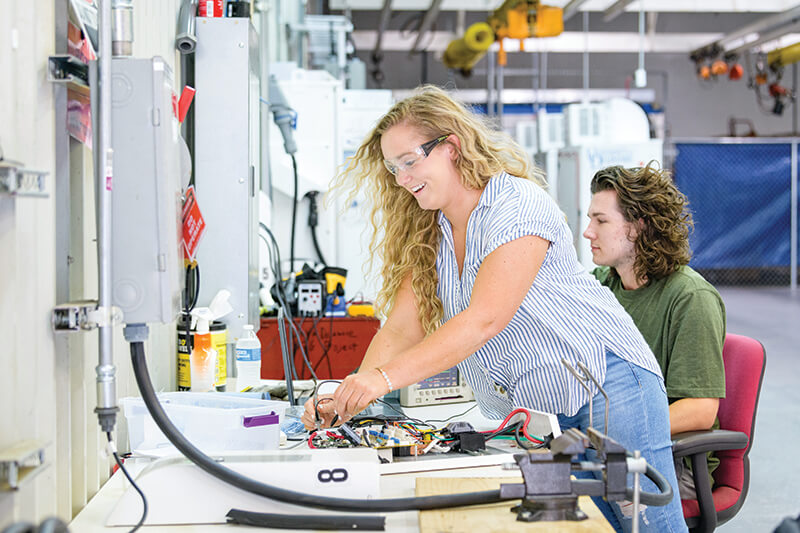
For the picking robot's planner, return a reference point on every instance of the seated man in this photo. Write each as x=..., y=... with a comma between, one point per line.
x=639, y=232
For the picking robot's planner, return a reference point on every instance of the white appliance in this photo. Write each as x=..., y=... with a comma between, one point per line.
x=315, y=96
x=542, y=138
x=599, y=135
x=576, y=167
x=360, y=112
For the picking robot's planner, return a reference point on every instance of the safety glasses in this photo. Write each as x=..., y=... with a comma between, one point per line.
x=410, y=159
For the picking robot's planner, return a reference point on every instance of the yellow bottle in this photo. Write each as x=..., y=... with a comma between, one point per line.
x=203, y=362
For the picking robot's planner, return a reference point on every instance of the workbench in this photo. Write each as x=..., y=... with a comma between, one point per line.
x=401, y=483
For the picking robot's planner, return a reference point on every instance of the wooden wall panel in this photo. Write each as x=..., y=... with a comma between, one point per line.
x=47, y=383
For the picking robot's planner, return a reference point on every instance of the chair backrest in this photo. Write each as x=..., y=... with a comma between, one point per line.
x=745, y=360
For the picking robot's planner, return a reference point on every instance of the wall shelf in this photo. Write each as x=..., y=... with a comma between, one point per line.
x=19, y=463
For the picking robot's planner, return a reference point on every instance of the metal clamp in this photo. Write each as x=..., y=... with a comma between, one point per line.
x=548, y=493
x=18, y=181
x=83, y=315
x=67, y=69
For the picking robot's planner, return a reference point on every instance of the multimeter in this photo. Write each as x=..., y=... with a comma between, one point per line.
x=445, y=387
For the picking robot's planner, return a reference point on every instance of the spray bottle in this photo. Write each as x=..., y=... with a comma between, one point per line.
x=203, y=360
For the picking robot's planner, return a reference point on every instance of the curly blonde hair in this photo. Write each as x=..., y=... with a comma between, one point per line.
x=406, y=237
x=649, y=194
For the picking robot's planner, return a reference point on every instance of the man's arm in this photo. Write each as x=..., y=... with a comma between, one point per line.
x=692, y=414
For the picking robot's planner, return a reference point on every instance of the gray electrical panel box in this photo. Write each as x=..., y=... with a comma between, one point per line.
x=147, y=258
x=227, y=164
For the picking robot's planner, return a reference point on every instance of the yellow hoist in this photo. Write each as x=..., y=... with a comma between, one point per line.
x=515, y=19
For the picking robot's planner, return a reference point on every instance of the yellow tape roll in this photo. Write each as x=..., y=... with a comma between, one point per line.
x=479, y=37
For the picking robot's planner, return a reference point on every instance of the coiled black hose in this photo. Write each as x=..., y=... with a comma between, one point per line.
x=277, y=493
x=337, y=504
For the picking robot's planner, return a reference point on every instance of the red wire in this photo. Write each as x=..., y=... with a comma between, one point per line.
x=510, y=415
x=310, y=438
x=524, y=427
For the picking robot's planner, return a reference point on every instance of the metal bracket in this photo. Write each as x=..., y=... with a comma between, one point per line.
x=67, y=69
x=18, y=181
x=83, y=315
x=20, y=462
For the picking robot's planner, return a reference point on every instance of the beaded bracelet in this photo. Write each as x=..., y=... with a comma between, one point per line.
x=388, y=381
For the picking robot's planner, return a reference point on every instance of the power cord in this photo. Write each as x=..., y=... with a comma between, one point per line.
x=135, y=486
x=281, y=297
x=190, y=293
x=294, y=214
x=313, y=220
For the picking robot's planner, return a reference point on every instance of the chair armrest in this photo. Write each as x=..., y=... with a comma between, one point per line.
x=692, y=442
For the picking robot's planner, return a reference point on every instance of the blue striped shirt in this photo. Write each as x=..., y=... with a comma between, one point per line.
x=566, y=313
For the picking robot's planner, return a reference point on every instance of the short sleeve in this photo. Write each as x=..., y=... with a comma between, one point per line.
x=519, y=215
x=695, y=368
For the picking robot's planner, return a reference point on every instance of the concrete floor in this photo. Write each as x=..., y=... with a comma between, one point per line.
x=772, y=316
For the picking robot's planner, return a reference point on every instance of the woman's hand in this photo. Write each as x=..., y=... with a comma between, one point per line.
x=357, y=391
x=325, y=408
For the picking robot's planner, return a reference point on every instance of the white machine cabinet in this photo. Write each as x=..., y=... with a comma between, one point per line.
x=227, y=163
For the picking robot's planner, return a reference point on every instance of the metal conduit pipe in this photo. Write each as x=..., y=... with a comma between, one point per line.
x=122, y=28
x=103, y=170
x=185, y=36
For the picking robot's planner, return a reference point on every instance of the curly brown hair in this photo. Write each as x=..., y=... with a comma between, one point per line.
x=406, y=237
x=649, y=194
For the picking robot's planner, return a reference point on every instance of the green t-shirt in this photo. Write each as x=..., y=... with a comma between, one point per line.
x=682, y=318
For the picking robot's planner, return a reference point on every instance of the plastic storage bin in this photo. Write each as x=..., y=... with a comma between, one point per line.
x=211, y=421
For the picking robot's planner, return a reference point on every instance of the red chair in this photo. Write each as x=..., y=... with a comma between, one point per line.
x=745, y=360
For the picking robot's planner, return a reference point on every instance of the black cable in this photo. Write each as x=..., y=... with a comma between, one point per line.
x=281, y=297
x=313, y=219
x=316, y=392
x=522, y=444
x=428, y=422
x=503, y=430
x=287, y=355
x=276, y=493
x=195, y=286
x=316, y=246
x=405, y=416
x=656, y=499
x=322, y=346
x=316, y=522
x=294, y=215
x=305, y=351
x=191, y=291
x=135, y=486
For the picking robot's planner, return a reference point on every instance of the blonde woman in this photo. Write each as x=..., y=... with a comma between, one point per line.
x=479, y=271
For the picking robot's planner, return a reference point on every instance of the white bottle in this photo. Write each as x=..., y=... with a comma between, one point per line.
x=248, y=359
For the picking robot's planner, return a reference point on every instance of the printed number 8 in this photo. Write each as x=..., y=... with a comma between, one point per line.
x=337, y=475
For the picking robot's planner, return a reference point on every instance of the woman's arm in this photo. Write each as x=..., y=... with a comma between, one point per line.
x=401, y=330
x=503, y=281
